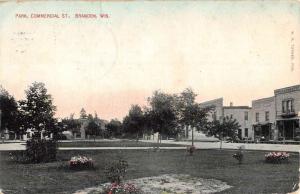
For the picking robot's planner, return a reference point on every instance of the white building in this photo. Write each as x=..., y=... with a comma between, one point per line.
x=241, y=113
x=243, y=116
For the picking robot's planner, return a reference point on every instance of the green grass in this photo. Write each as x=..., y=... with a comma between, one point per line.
x=121, y=143
x=253, y=176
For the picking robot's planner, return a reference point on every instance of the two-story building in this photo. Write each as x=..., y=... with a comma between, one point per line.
x=264, y=118
x=242, y=114
x=287, y=107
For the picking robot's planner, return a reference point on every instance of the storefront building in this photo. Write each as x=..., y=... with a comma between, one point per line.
x=264, y=119
x=287, y=104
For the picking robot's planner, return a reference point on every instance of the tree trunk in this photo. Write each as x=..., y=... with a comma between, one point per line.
x=221, y=139
x=192, y=136
x=158, y=140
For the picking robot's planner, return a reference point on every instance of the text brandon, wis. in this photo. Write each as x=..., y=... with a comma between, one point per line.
x=60, y=16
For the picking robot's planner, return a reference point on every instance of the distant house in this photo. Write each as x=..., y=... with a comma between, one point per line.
x=84, y=122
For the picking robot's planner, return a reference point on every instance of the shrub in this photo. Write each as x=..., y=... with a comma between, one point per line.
x=40, y=150
x=191, y=149
x=277, y=157
x=239, y=156
x=81, y=162
x=116, y=171
x=126, y=188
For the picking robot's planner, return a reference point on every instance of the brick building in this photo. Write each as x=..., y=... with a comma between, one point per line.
x=287, y=107
x=272, y=118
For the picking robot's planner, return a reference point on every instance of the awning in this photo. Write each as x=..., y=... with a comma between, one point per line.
x=262, y=124
x=288, y=119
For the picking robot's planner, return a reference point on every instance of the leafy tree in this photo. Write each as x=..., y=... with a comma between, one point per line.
x=71, y=124
x=162, y=114
x=83, y=114
x=191, y=113
x=92, y=128
x=133, y=123
x=226, y=128
x=9, y=112
x=114, y=128
x=37, y=110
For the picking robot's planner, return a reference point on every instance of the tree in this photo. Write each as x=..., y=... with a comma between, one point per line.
x=191, y=114
x=92, y=128
x=133, y=123
x=9, y=112
x=83, y=114
x=37, y=110
x=162, y=114
x=71, y=124
x=114, y=128
x=226, y=128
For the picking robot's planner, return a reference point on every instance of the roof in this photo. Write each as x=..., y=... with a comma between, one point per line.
x=211, y=101
x=287, y=89
x=236, y=107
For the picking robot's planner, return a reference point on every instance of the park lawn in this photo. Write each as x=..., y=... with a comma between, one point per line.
x=253, y=176
x=121, y=143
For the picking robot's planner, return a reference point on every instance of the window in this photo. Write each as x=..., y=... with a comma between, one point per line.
x=267, y=115
x=240, y=134
x=257, y=117
x=214, y=115
x=246, y=132
x=246, y=116
x=288, y=106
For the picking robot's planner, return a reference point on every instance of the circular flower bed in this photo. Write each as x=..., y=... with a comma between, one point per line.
x=277, y=157
x=162, y=184
x=80, y=162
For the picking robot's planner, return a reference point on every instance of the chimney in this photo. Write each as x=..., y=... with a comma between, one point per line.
x=231, y=103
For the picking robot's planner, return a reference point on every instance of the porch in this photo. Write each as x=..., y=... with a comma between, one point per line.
x=288, y=129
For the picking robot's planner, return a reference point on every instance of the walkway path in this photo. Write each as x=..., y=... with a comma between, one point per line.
x=216, y=145
x=198, y=145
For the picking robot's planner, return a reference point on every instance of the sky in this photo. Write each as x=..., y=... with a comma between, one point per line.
x=238, y=50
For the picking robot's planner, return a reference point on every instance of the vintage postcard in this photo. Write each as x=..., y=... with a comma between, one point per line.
x=149, y=97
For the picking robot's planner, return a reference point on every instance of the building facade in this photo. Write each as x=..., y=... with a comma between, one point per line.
x=287, y=105
x=241, y=113
x=272, y=118
x=243, y=116
x=264, y=118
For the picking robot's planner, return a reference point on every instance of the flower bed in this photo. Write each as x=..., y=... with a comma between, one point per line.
x=162, y=184
x=277, y=157
x=126, y=188
x=81, y=162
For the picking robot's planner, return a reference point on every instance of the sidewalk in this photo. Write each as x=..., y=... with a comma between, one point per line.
x=198, y=145
x=216, y=145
